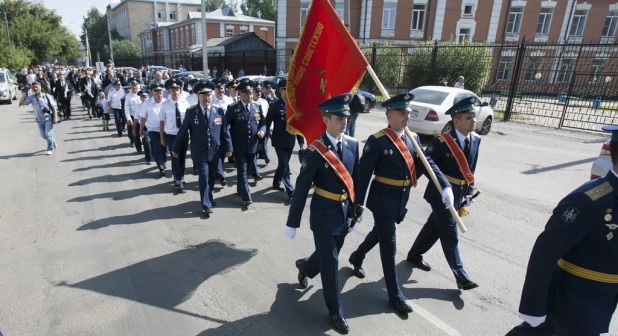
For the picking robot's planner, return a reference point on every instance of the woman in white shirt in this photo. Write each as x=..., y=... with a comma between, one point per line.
x=114, y=97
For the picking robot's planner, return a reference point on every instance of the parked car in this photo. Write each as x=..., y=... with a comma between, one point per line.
x=8, y=90
x=196, y=74
x=173, y=72
x=153, y=69
x=370, y=100
x=430, y=104
x=603, y=163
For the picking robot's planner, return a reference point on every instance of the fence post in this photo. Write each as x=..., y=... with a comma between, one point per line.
x=521, y=51
x=434, y=56
x=373, y=64
x=568, y=97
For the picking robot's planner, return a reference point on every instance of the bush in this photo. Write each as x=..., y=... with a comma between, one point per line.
x=389, y=66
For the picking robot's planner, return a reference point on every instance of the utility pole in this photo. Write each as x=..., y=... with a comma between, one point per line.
x=346, y=15
x=109, y=33
x=8, y=35
x=88, y=62
x=204, y=41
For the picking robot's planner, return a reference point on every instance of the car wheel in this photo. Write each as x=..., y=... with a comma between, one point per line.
x=486, y=126
x=367, y=108
x=448, y=127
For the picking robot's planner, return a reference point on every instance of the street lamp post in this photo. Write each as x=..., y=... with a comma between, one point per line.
x=204, y=41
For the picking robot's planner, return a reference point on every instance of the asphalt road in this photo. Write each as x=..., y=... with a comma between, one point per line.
x=95, y=243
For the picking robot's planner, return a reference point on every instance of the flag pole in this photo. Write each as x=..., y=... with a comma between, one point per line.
x=419, y=151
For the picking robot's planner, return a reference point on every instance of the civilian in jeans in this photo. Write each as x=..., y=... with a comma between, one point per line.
x=356, y=106
x=45, y=114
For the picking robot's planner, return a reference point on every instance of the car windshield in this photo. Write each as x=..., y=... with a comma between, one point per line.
x=2, y=79
x=429, y=96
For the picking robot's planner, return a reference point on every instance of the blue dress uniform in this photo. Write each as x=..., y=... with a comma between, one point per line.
x=441, y=224
x=388, y=196
x=572, y=277
x=283, y=142
x=210, y=137
x=329, y=209
x=245, y=120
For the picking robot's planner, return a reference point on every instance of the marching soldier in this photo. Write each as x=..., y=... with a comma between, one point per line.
x=219, y=99
x=139, y=108
x=282, y=140
x=247, y=126
x=150, y=126
x=331, y=166
x=390, y=155
x=232, y=91
x=131, y=100
x=572, y=278
x=210, y=137
x=456, y=154
x=171, y=117
x=268, y=93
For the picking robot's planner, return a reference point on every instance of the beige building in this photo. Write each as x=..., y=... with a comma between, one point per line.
x=131, y=17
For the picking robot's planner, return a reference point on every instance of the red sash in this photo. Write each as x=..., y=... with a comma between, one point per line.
x=337, y=165
x=460, y=157
x=403, y=149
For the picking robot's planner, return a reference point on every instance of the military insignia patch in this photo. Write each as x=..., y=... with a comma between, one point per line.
x=346, y=99
x=386, y=152
x=303, y=164
x=366, y=149
x=448, y=155
x=610, y=236
x=406, y=97
x=612, y=226
x=430, y=149
x=570, y=215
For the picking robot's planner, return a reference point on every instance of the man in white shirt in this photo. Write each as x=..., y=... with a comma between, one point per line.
x=139, y=109
x=460, y=83
x=114, y=97
x=219, y=99
x=149, y=126
x=130, y=108
x=171, y=116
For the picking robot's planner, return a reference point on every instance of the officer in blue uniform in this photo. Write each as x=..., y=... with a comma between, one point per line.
x=441, y=224
x=571, y=285
x=330, y=204
x=282, y=140
x=390, y=191
x=210, y=137
x=247, y=126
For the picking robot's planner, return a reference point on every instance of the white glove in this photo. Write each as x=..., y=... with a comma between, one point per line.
x=350, y=227
x=534, y=321
x=290, y=232
x=469, y=201
x=447, y=197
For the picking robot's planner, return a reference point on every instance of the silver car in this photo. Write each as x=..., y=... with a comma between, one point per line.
x=603, y=163
x=8, y=90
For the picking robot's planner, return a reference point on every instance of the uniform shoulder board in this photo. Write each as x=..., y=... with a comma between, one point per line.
x=599, y=191
x=311, y=148
x=233, y=104
x=378, y=134
x=441, y=139
x=414, y=134
x=192, y=106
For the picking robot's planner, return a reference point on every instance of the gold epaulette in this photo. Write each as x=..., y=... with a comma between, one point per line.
x=441, y=139
x=234, y=103
x=599, y=191
x=413, y=134
x=378, y=134
x=192, y=106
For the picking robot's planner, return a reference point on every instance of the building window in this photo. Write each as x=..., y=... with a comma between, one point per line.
x=468, y=10
x=244, y=30
x=534, y=67
x=339, y=7
x=596, y=70
x=505, y=68
x=609, y=30
x=173, y=15
x=565, y=70
x=418, y=17
x=544, y=21
x=578, y=23
x=388, y=16
x=514, y=23
x=304, y=9
x=229, y=31
x=464, y=35
x=160, y=14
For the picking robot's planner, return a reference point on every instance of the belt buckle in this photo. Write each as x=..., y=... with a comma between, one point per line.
x=343, y=197
x=406, y=183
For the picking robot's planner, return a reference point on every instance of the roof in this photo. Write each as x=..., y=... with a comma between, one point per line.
x=181, y=2
x=227, y=14
x=223, y=41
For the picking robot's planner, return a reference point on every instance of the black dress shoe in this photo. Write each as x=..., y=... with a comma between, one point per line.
x=339, y=324
x=194, y=171
x=359, y=272
x=267, y=161
x=162, y=172
x=402, y=306
x=248, y=203
x=223, y=183
x=207, y=211
x=278, y=187
x=418, y=262
x=257, y=177
x=181, y=187
x=302, y=279
x=290, y=194
x=467, y=285
x=214, y=204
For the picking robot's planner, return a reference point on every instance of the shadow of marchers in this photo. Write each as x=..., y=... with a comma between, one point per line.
x=99, y=157
x=404, y=274
x=162, y=188
x=113, y=165
x=21, y=155
x=104, y=148
x=167, y=281
x=140, y=175
x=182, y=210
x=107, y=136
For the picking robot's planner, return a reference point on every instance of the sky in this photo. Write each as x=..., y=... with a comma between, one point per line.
x=73, y=11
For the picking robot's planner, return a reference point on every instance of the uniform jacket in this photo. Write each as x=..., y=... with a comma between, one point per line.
x=382, y=158
x=208, y=137
x=280, y=137
x=441, y=155
x=244, y=126
x=328, y=217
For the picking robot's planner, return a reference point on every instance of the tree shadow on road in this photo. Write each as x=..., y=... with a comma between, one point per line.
x=537, y=169
x=169, y=280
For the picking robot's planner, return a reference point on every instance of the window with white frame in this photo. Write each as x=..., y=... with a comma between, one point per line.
x=160, y=14
x=609, y=30
x=229, y=31
x=578, y=23
x=388, y=16
x=534, y=67
x=244, y=29
x=339, y=8
x=468, y=10
x=418, y=17
x=464, y=35
x=597, y=68
x=545, y=16
x=515, y=16
x=304, y=9
x=565, y=70
x=173, y=15
x=505, y=68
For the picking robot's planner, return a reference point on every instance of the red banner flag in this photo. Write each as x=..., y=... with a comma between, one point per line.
x=326, y=62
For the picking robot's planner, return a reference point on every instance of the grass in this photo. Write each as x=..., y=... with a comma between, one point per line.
x=500, y=115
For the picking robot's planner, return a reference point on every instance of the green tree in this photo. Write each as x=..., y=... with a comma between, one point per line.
x=36, y=32
x=98, y=38
x=124, y=49
x=212, y=5
x=389, y=64
x=263, y=9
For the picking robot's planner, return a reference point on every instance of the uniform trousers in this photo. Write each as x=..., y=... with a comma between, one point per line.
x=282, y=174
x=118, y=116
x=158, y=151
x=206, y=171
x=178, y=163
x=244, y=164
x=146, y=141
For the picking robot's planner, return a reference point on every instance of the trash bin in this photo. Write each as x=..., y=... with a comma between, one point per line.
x=562, y=98
x=493, y=101
x=597, y=102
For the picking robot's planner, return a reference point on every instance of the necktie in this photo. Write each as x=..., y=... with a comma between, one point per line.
x=467, y=147
x=339, y=150
x=178, y=123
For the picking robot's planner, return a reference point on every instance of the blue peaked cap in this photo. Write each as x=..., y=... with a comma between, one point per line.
x=400, y=102
x=338, y=105
x=466, y=105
